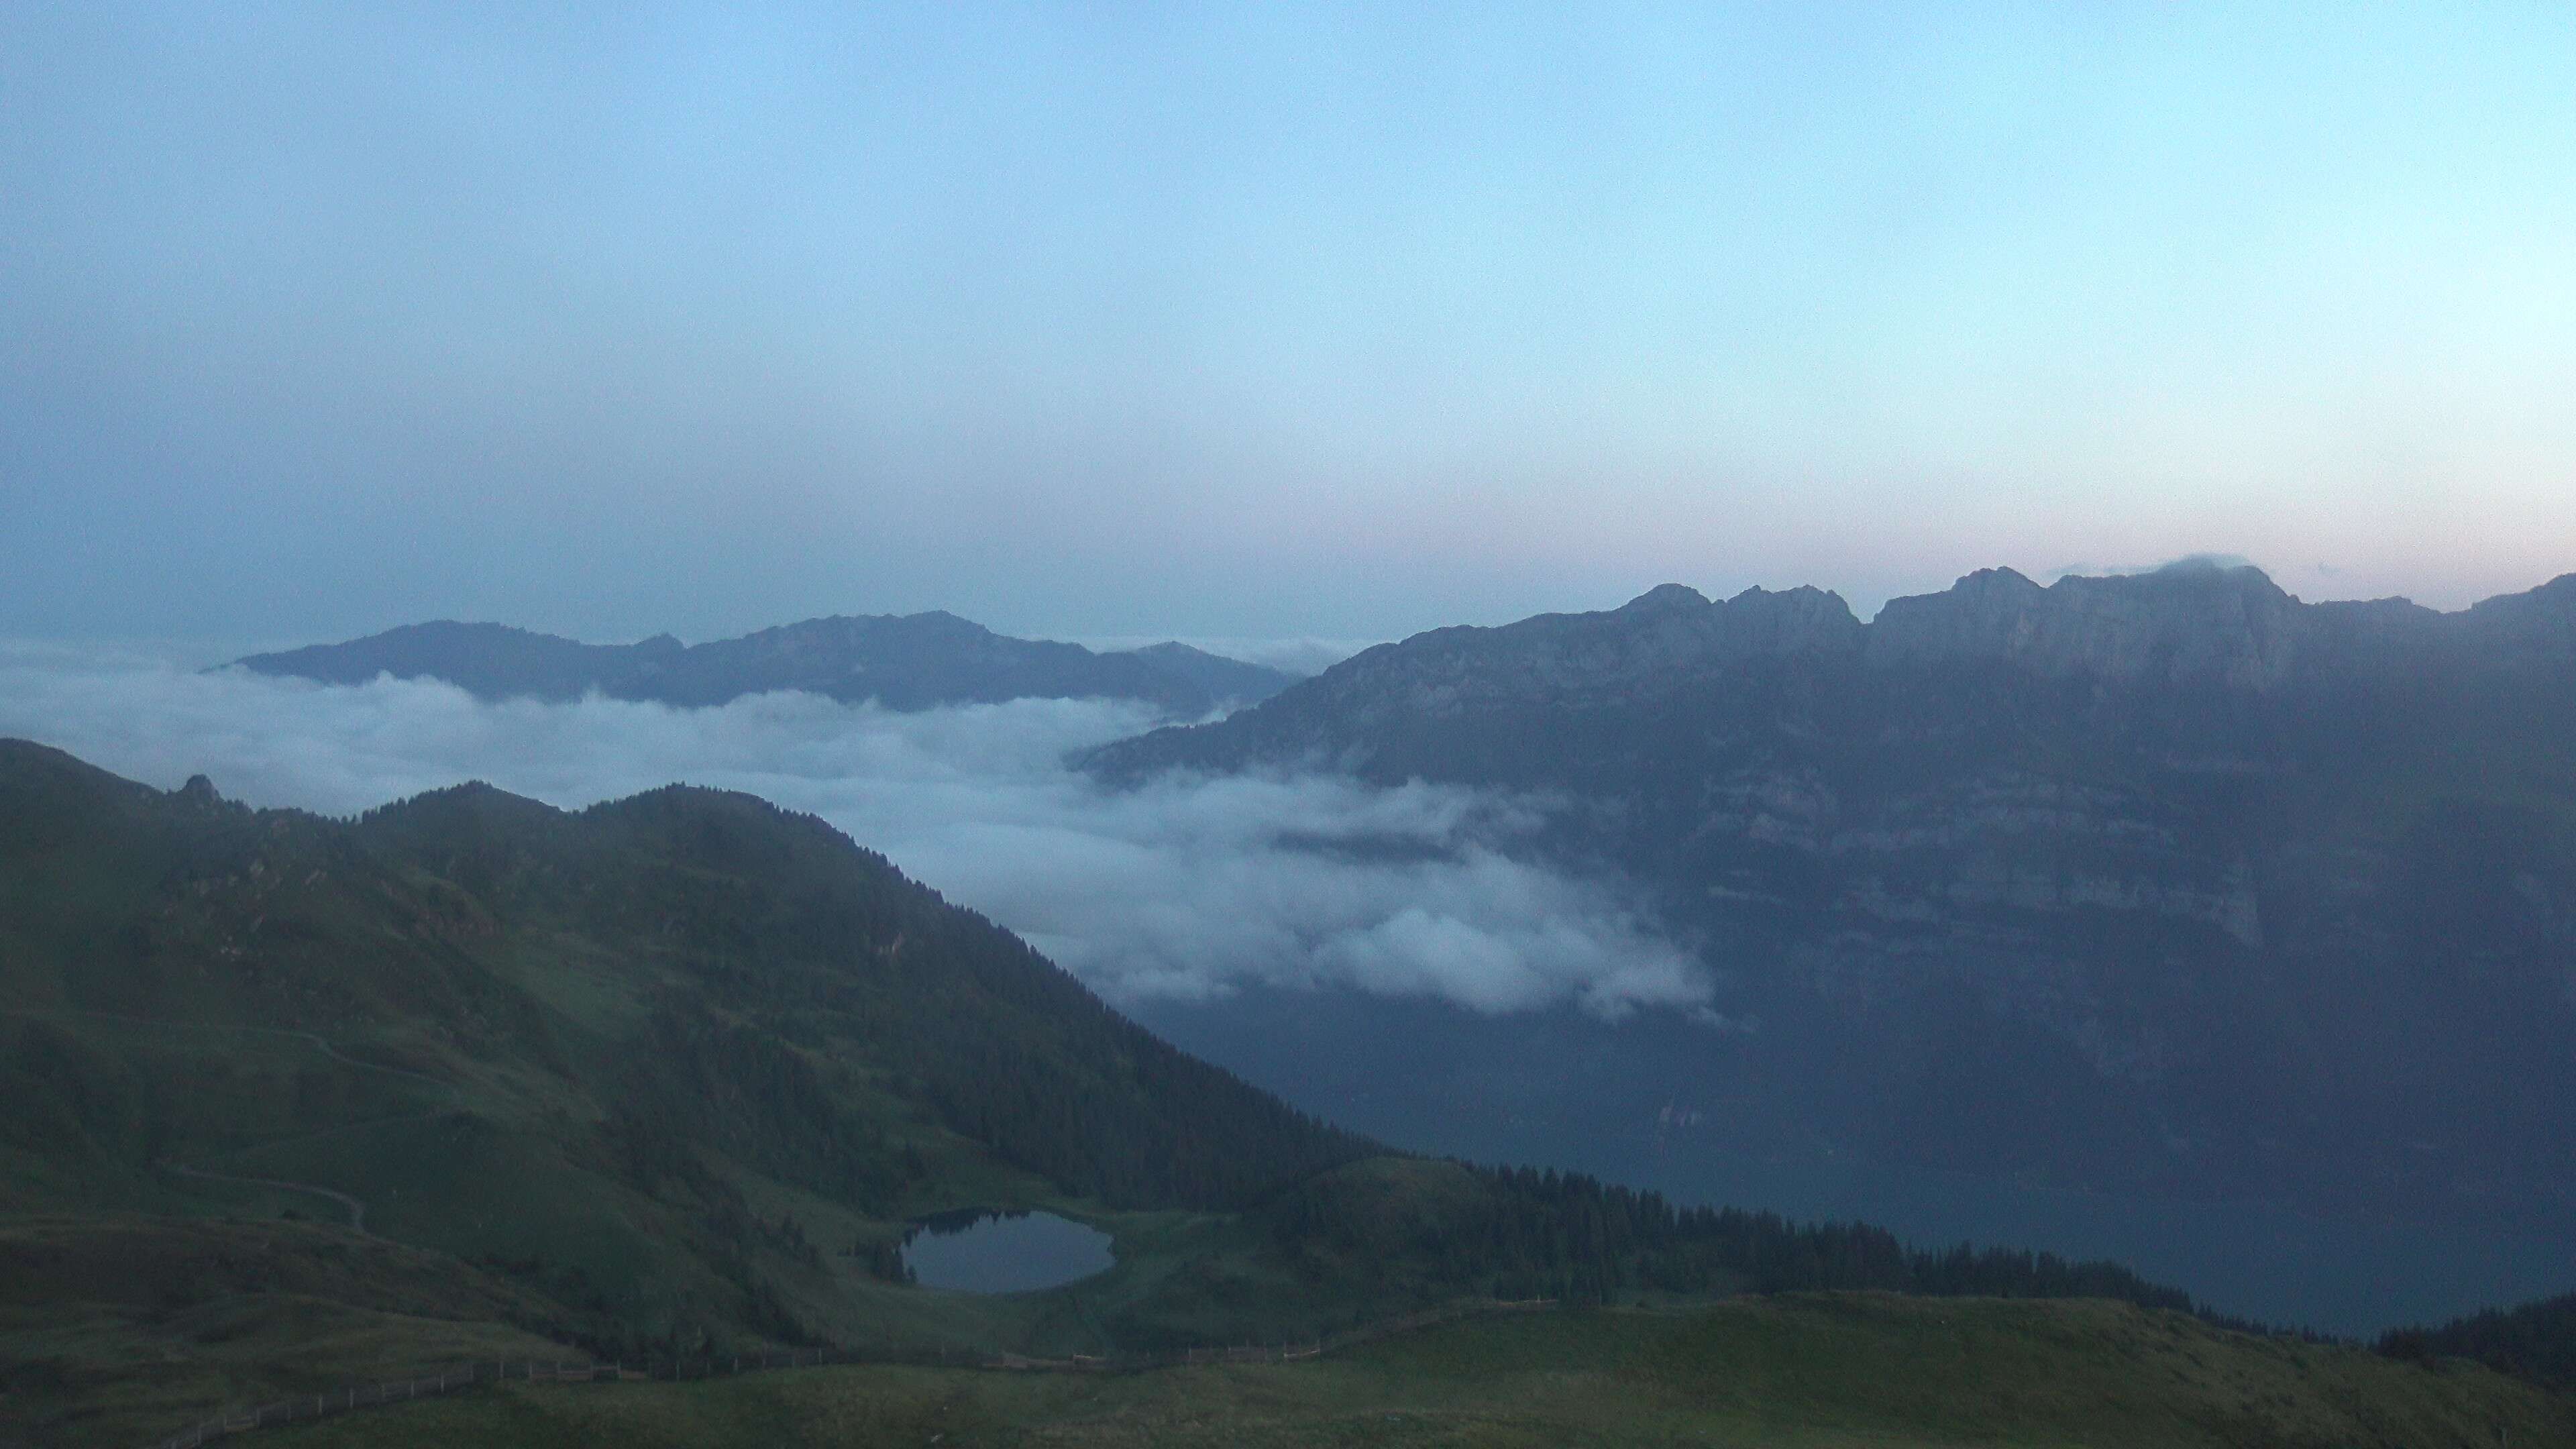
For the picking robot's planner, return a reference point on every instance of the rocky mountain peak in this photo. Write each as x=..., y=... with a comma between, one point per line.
x=2196, y=620
x=1666, y=599
x=1789, y=621
x=1997, y=583
x=2539, y=624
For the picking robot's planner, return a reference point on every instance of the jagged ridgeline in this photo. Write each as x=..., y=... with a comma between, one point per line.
x=900, y=661
x=673, y=1073
x=2167, y=885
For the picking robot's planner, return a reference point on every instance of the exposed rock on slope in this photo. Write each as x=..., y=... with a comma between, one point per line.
x=2168, y=881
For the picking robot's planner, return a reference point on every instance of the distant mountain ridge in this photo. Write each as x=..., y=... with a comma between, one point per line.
x=2190, y=627
x=903, y=662
x=2164, y=882
x=2189, y=624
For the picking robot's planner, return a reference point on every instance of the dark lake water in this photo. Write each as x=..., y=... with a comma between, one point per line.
x=1003, y=1252
x=1429, y=1079
x=2258, y=1260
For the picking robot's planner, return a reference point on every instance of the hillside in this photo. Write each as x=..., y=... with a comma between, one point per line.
x=902, y=662
x=701, y=1039
x=2534, y=1341
x=2165, y=885
x=672, y=1074
x=1819, y=1370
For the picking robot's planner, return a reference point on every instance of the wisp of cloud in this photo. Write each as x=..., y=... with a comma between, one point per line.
x=1187, y=887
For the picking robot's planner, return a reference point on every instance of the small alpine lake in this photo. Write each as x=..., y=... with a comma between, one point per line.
x=983, y=1251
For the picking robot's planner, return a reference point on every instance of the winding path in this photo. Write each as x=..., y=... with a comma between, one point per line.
x=357, y=1206
x=328, y=1050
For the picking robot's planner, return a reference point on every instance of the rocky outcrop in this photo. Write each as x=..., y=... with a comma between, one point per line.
x=2285, y=883
x=2538, y=627
x=2201, y=626
x=1662, y=637
x=2199, y=623
x=2210, y=623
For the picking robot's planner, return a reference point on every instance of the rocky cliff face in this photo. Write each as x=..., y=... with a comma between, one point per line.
x=1657, y=641
x=2232, y=625
x=2284, y=894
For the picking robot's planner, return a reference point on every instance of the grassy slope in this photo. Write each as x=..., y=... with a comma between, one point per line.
x=115, y=1329
x=2536, y=1341
x=440, y=1012
x=617, y=1051
x=1812, y=1370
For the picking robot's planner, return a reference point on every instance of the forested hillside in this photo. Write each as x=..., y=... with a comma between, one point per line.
x=2535, y=1341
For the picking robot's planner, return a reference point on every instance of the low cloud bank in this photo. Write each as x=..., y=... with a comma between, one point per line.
x=2188, y=563
x=1185, y=888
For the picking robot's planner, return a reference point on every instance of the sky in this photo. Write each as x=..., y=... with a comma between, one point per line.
x=1275, y=322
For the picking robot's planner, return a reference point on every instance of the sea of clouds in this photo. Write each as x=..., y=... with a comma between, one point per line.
x=1186, y=887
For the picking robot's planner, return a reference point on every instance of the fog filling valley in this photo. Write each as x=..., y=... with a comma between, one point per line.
x=1185, y=888
x=1188, y=891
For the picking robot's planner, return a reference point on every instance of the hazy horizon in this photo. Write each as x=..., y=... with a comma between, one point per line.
x=1299, y=654
x=1321, y=322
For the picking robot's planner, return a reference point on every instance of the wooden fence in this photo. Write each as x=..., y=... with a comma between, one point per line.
x=375, y=1393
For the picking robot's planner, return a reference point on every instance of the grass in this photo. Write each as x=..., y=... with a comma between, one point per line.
x=1809, y=1370
x=666, y=1062
x=117, y=1329
x=485, y=1172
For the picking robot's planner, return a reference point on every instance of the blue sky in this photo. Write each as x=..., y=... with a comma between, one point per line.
x=1262, y=321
